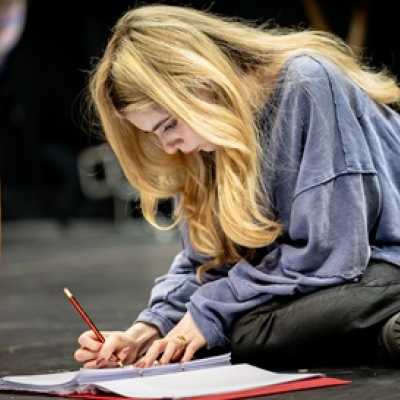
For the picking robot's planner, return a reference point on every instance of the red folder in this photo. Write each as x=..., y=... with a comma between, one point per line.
x=261, y=391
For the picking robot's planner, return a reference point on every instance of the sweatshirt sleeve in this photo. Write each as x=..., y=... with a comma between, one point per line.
x=172, y=291
x=327, y=203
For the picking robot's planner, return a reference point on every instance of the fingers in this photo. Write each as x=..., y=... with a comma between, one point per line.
x=153, y=353
x=83, y=355
x=94, y=364
x=171, y=350
x=112, y=344
x=127, y=354
x=118, y=346
x=90, y=364
x=178, y=354
x=91, y=361
x=96, y=354
x=88, y=340
x=189, y=351
x=182, y=342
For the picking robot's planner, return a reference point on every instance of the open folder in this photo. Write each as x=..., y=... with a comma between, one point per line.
x=207, y=377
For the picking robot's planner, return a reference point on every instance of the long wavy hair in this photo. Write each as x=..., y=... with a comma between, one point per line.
x=215, y=73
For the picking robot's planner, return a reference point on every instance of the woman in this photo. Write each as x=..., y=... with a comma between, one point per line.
x=282, y=155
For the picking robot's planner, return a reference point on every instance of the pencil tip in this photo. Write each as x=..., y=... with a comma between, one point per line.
x=67, y=292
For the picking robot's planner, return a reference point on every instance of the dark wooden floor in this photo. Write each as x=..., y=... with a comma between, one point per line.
x=111, y=271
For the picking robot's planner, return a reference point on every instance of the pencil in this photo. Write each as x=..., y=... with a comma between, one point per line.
x=86, y=318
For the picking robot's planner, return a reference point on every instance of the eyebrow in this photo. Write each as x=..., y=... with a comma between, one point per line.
x=159, y=123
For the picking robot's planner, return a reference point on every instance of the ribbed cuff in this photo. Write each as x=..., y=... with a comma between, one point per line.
x=163, y=324
x=213, y=336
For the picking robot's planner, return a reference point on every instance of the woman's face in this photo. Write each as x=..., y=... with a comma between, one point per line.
x=173, y=134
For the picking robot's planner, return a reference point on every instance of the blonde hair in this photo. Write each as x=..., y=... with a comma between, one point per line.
x=194, y=64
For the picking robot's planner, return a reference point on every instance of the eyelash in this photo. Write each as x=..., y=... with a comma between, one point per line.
x=170, y=126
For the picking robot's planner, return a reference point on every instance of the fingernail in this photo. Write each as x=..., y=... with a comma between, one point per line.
x=103, y=362
x=140, y=364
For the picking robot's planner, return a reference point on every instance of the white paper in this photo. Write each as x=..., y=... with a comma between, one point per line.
x=56, y=379
x=67, y=382
x=207, y=377
x=203, y=382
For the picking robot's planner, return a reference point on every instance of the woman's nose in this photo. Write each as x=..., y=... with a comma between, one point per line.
x=172, y=145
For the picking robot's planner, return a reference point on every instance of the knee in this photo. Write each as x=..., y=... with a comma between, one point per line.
x=264, y=337
x=250, y=336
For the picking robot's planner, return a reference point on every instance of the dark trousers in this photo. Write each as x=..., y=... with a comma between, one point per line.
x=334, y=326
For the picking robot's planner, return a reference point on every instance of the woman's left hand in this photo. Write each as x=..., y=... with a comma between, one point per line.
x=181, y=343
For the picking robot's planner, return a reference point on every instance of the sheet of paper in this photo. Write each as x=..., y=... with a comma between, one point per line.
x=88, y=375
x=57, y=379
x=216, y=380
x=56, y=382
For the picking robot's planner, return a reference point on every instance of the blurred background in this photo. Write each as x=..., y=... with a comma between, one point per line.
x=46, y=50
x=69, y=217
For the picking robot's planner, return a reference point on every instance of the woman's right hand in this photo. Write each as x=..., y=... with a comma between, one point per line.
x=127, y=345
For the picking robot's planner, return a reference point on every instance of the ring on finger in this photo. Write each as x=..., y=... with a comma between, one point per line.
x=182, y=339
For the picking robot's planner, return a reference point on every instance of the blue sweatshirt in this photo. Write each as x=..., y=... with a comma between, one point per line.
x=334, y=182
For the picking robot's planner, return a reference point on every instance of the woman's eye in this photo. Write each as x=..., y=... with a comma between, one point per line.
x=171, y=125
